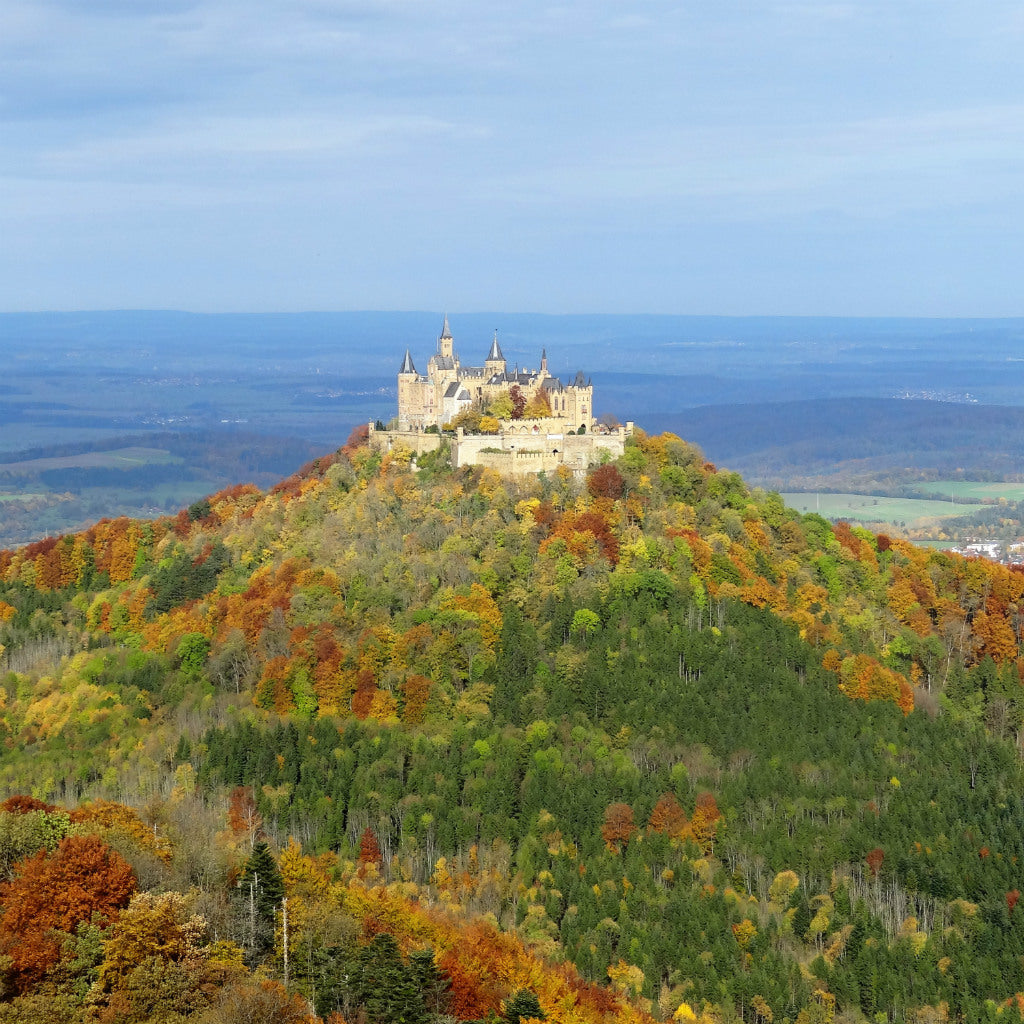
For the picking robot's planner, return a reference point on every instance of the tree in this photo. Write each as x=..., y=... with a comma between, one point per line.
x=704, y=823
x=606, y=482
x=524, y=1004
x=381, y=985
x=584, y=622
x=538, y=408
x=501, y=406
x=82, y=881
x=369, y=848
x=192, y=652
x=432, y=982
x=874, y=859
x=668, y=817
x=260, y=890
x=618, y=827
x=257, y=1002
x=518, y=401
x=243, y=817
x=151, y=926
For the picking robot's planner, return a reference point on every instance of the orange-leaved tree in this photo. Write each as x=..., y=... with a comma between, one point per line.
x=55, y=892
x=618, y=827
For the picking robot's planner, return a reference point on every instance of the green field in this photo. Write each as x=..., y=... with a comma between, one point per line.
x=868, y=508
x=117, y=458
x=20, y=497
x=973, y=489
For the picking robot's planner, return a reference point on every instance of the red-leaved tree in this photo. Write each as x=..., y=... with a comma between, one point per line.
x=55, y=892
x=618, y=827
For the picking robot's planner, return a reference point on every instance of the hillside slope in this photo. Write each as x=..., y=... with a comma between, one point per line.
x=726, y=759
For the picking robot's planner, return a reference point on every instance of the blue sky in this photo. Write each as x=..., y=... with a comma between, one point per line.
x=860, y=158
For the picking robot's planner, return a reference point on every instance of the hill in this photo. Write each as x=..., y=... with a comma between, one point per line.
x=720, y=759
x=874, y=445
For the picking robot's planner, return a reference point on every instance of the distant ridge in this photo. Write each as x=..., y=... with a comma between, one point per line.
x=818, y=435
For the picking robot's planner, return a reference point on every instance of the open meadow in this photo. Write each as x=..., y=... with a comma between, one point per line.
x=975, y=489
x=868, y=508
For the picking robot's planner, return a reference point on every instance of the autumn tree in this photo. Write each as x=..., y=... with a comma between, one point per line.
x=518, y=402
x=244, y=819
x=539, y=407
x=369, y=848
x=154, y=964
x=668, y=816
x=82, y=880
x=257, y=1002
x=874, y=860
x=606, y=482
x=704, y=823
x=618, y=827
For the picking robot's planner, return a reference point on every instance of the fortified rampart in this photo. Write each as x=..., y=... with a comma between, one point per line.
x=519, y=448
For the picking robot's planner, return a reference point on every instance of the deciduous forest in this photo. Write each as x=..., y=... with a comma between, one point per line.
x=389, y=742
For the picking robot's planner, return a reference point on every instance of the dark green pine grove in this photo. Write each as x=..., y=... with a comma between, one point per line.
x=806, y=780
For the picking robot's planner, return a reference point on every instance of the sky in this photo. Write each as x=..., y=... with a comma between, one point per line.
x=632, y=156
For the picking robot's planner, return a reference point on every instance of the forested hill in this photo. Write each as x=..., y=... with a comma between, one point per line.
x=710, y=758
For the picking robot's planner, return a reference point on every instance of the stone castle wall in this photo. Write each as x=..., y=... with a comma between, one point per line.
x=526, y=446
x=413, y=440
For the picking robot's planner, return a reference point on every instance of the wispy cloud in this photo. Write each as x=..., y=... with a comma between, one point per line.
x=528, y=125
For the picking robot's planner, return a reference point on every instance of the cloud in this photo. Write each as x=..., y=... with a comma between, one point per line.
x=531, y=126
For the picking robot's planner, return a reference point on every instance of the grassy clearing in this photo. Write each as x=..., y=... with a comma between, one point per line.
x=973, y=489
x=178, y=493
x=22, y=497
x=868, y=508
x=117, y=458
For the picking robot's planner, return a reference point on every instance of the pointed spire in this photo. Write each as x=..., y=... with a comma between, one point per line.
x=446, y=330
x=495, y=353
x=407, y=366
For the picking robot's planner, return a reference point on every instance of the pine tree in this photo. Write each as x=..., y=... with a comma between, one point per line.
x=523, y=1004
x=260, y=890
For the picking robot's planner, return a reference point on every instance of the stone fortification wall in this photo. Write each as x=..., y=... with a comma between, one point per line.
x=413, y=440
x=516, y=463
x=525, y=449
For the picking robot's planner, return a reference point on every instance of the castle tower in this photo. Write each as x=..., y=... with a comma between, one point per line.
x=580, y=405
x=409, y=401
x=445, y=344
x=495, y=362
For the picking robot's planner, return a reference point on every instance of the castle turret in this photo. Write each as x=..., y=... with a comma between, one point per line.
x=445, y=344
x=495, y=362
x=413, y=395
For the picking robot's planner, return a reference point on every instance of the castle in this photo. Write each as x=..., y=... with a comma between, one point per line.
x=448, y=388
x=537, y=423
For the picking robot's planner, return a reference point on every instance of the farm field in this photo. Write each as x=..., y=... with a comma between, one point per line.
x=119, y=458
x=975, y=489
x=869, y=508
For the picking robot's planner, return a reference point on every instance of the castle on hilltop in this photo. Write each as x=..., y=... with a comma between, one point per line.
x=534, y=422
x=437, y=397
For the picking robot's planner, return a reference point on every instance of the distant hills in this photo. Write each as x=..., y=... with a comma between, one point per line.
x=838, y=441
